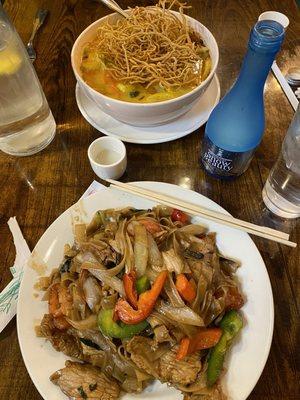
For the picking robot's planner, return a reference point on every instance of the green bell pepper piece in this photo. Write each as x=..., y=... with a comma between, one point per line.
x=142, y=284
x=231, y=324
x=119, y=331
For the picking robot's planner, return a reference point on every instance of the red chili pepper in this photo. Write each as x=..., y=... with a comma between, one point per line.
x=205, y=338
x=180, y=216
x=130, y=290
x=146, y=303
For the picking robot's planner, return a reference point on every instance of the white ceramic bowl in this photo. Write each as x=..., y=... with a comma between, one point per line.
x=144, y=114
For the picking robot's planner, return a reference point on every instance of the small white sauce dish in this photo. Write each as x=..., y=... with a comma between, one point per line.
x=107, y=156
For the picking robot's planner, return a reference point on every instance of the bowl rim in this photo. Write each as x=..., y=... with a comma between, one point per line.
x=141, y=105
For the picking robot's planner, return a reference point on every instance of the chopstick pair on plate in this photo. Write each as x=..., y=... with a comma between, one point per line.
x=228, y=220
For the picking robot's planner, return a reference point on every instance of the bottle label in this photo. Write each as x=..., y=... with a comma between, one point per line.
x=218, y=161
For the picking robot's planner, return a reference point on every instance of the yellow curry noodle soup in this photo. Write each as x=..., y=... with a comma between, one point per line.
x=148, y=57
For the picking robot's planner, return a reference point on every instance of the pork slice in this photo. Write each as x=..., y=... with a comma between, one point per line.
x=160, y=361
x=83, y=381
x=142, y=354
x=205, y=244
x=60, y=340
x=181, y=372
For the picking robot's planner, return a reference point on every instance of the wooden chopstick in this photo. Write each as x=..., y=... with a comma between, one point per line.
x=221, y=218
x=201, y=210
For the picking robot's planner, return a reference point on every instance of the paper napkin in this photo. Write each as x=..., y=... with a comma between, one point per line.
x=9, y=296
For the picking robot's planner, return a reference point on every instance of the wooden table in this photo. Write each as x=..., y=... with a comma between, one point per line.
x=39, y=188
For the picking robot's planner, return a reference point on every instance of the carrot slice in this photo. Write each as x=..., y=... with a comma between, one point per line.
x=205, y=338
x=183, y=348
x=185, y=288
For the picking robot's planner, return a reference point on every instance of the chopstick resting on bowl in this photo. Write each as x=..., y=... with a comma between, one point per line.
x=228, y=220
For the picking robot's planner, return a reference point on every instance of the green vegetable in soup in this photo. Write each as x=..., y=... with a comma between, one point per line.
x=134, y=93
x=130, y=91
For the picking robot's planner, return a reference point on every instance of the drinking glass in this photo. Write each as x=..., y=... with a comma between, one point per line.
x=26, y=122
x=281, y=193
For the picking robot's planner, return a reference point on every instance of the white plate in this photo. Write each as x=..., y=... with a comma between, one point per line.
x=248, y=355
x=176, y=129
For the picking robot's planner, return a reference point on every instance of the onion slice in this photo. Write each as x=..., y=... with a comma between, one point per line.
x=184, y=315
x=88, y=323
x=172, y=261
x=140, y=249
x=112, y=281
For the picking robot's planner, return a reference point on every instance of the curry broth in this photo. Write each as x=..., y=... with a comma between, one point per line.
x=96, y=75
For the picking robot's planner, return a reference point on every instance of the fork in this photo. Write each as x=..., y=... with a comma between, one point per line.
x=38, y=21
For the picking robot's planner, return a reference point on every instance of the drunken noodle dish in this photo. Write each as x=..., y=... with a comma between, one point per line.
x=141, y=295
x=153, y=55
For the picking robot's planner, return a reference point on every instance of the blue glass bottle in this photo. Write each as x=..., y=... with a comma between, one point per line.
x=236, y=125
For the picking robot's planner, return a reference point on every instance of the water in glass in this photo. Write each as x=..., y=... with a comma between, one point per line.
x=26, y=122
x=281, y=193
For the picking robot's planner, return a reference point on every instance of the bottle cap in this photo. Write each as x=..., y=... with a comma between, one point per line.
x=275, y=16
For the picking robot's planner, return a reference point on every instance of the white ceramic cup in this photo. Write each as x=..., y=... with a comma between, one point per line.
x=107, y=156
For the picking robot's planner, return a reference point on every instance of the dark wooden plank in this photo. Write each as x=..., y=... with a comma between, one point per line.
x=38, y=188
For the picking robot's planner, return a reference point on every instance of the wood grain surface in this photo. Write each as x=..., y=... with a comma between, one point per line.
x=39, y=188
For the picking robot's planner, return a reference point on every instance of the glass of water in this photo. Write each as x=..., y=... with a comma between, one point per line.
x=281, y=193
x=26, y=122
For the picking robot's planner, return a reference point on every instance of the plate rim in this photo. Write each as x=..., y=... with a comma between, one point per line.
x=269, y=335
x=201, y=122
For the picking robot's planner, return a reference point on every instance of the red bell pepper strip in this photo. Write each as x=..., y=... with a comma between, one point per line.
x=180, y=216
x=146, y=303
x=150, y=225
x=205, y=338
x=185, y=288
x=130, y=290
